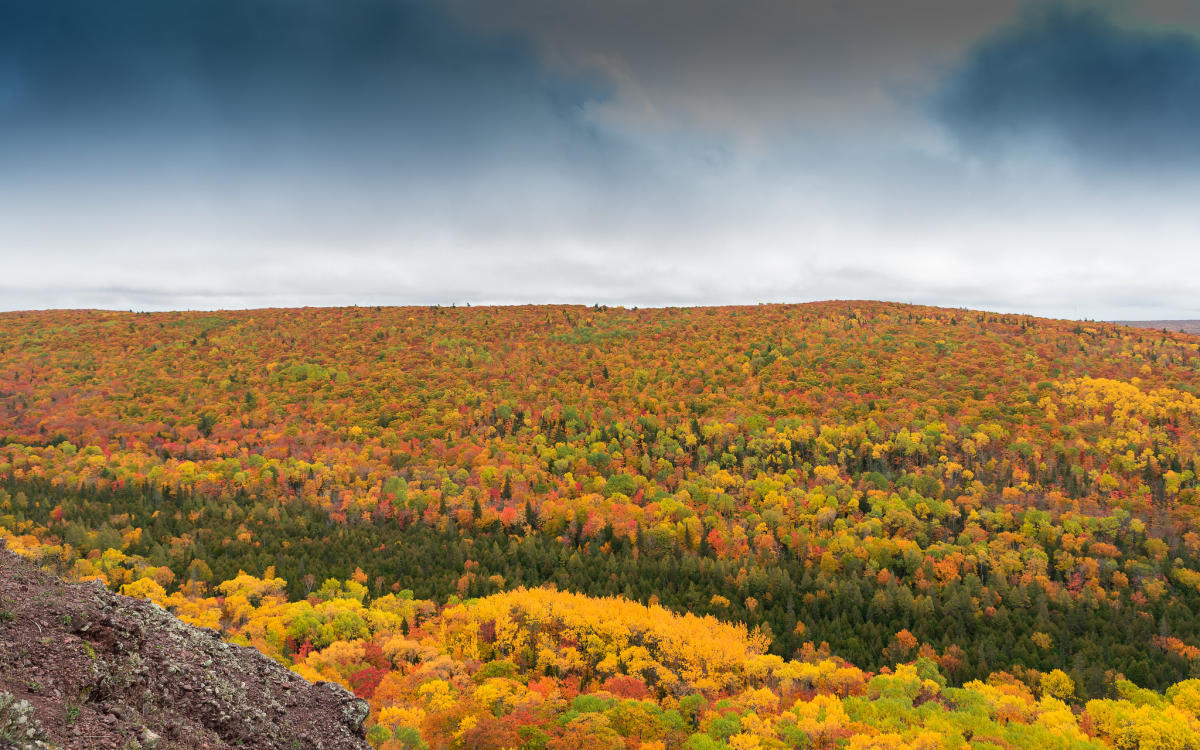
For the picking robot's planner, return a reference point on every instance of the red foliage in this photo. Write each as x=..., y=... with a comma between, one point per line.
x=365, y=681
x=624, y=686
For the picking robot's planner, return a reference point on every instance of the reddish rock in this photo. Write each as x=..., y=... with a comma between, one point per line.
x=81, y=667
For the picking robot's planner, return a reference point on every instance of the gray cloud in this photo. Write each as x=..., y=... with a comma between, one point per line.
x=1078, y=83
x=750, y=68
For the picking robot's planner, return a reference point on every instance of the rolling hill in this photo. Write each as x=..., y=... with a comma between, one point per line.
x=484, y=519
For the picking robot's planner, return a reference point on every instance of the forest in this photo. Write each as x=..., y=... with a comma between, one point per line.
x=842, y=524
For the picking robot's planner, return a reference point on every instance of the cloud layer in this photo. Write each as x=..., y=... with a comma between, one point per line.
x=240, y=153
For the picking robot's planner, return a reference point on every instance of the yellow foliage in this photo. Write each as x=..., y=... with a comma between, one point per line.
x=437, y=695
x=1129, y=727
x=1186, y=696
x=670, y=647
x=1057, y=684
x=401, y=716
x=145, y=588
x=822, y=715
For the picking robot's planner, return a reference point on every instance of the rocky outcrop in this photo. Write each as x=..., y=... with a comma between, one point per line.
x=81, y=667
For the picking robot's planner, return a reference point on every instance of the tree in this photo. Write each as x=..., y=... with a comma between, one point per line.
x=1057, y=684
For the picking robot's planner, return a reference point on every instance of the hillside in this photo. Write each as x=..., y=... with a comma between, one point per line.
x=1182, y=326
x=81, y=667
x=528, y=668
x=994, y=499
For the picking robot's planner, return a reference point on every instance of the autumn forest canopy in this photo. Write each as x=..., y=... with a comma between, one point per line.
x=834, y=524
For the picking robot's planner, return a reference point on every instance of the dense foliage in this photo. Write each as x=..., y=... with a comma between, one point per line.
x=979, y=496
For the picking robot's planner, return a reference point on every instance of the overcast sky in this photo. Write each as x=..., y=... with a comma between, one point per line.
x=1040, y=158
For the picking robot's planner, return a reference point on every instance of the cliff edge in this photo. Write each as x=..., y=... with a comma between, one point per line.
x=82, y=667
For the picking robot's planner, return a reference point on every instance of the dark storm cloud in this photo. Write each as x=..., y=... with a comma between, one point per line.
x=1078, y=82
x=356, y=80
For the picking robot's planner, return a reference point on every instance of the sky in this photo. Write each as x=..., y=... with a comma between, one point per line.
x=1039, y=157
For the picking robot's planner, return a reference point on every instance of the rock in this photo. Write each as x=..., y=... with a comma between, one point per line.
x=136, y=674
x=18, y=726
